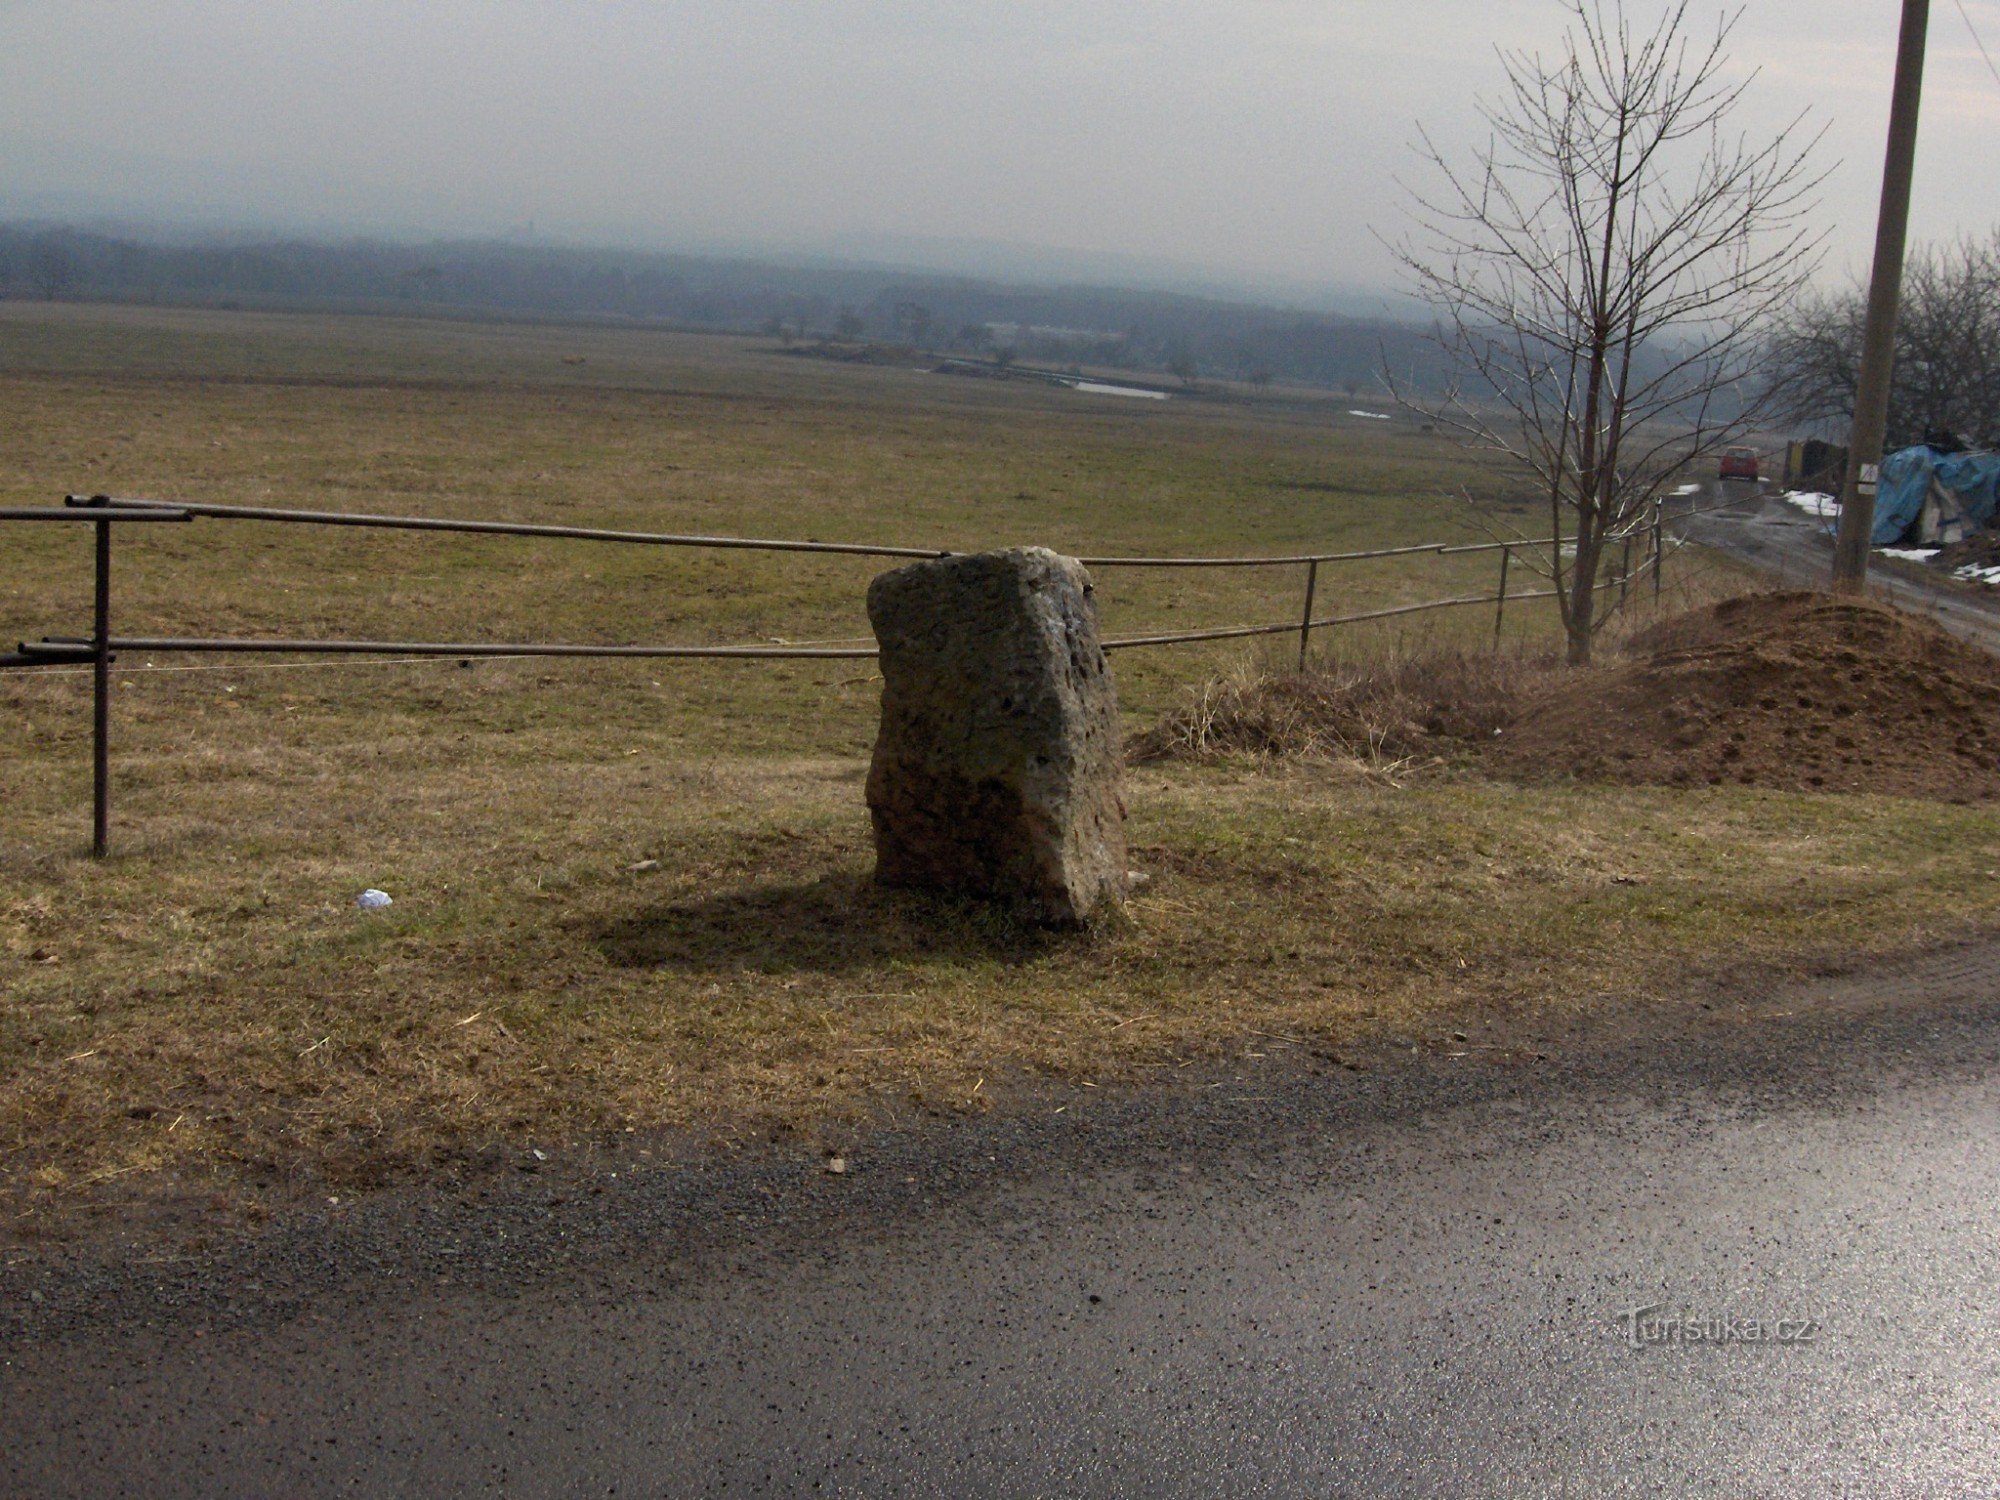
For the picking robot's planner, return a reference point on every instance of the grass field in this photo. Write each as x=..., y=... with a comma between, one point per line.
x=681, y=433
x=206, y=1008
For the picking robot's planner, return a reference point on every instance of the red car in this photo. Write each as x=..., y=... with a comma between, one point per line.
x=1738, y=463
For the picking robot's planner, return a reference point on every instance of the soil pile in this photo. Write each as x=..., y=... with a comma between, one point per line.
x=1980, y=550
x=1797, y=691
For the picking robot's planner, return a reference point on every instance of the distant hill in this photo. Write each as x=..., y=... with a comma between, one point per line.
x=1120, y=328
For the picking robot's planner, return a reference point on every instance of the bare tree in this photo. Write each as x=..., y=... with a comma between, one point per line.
x=1602, y=271
x=1947, y=370
x=52, y=265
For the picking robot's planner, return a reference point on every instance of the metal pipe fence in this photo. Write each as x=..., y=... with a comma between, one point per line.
x=754, y=544
x=104, y=513
x=510, y=528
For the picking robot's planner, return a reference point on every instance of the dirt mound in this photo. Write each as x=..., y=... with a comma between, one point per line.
x=1798, y=691
x=1980, y=550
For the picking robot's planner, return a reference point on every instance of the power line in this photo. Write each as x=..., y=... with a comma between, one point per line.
x=1966, y=15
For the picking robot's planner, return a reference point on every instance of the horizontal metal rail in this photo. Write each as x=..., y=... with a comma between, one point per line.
x=1302, y=558
x=40, y=658
x=131, y=507
x=502, y=528
x=75, y=512
x=1291, y=627
x=59, y=650
x=1237, y=632
x=1299, y=559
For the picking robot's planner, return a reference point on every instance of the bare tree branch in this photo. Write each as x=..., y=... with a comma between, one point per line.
x=1947, y=370
x=1603, y=270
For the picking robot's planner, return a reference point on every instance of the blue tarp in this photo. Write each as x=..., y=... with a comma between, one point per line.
x=1973, y=478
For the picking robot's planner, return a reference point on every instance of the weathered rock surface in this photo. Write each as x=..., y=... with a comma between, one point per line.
x=997, y=767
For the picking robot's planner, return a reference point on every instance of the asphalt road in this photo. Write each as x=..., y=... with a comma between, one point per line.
x=1296, y=1278
x=1751, y=523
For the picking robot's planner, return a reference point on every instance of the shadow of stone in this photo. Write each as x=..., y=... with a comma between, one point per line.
x=839, y=922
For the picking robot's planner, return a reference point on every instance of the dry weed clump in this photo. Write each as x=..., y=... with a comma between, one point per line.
x=1383, y=714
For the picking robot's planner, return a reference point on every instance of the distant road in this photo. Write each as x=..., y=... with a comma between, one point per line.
x=1759, y=1256
x=1754, y=525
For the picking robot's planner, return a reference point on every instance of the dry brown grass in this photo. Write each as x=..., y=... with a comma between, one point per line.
x=1401, y=710
x=207, y=1009
x=1420, y=699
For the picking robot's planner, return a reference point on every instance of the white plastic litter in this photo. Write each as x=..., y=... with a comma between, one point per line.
x=373, y=900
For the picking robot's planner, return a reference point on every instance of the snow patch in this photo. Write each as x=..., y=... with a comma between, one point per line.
x=1373, y=416
x=1976, y=573
x=1823, y=506
x=1911, y=554
x=1098, y=388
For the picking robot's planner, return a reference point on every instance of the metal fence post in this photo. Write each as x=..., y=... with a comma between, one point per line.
x=100, y=654
x=1306, y=623
x=1500, y=606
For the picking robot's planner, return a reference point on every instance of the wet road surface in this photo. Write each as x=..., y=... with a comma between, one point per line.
x=1751, y=523
x=1417, y=1278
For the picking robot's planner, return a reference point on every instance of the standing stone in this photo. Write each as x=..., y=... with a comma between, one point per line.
x=996, y=771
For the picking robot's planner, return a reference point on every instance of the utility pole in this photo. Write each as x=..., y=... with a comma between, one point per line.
x=1885, y=286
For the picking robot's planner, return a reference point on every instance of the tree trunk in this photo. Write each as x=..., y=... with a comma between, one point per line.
x=1579, y=644
x=1580, y=619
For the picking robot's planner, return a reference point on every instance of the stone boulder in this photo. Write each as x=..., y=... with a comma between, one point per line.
x=997, y=767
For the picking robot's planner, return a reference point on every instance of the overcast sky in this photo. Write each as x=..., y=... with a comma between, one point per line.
x=1257, y=138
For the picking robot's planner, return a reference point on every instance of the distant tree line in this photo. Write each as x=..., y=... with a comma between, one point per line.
x=1194, y=338
x=1947, y=375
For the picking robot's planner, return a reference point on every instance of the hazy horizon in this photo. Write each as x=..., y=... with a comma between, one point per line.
x=998, y=263
x=1252, y=152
